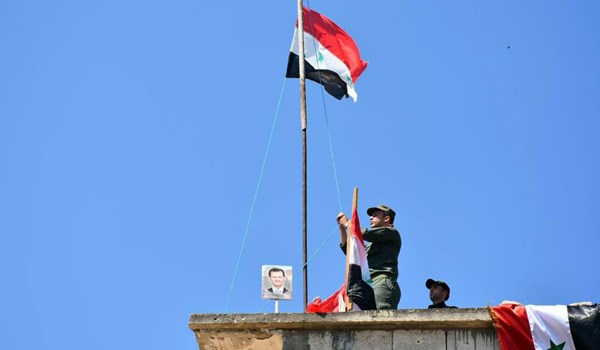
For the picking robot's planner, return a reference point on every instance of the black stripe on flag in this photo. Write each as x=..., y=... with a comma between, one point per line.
x=332, y=82
x=361, y=292
x=584, y=321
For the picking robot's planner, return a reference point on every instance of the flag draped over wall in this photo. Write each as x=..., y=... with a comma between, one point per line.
x=555, y=327
x=332, y=58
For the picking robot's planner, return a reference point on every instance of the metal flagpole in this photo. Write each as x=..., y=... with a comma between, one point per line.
x=304, y=155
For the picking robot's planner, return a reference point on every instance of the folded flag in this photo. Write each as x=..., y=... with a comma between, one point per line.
x=331, y=56
x=556, y=327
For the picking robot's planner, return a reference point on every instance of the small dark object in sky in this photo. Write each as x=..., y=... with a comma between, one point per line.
x=508, y=47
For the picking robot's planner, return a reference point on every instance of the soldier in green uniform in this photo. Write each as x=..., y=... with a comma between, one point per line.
x=383, y=248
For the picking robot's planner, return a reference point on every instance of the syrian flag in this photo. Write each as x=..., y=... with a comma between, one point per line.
x=358, y=283
x=331, y=56
x=559, y=327
x=358, y=279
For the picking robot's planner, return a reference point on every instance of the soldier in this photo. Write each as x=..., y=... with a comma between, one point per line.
x=439, y=292
x=382, y=254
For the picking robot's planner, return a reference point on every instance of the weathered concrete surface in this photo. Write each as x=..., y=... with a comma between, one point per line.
x=448, y=329
x=239, y=340
x=480, y=339
x=417, y=339
x=343, y=340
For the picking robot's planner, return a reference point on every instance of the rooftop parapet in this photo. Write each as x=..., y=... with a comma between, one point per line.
x=447, y=329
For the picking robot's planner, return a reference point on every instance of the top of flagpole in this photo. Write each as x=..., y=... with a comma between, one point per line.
x=301, y=64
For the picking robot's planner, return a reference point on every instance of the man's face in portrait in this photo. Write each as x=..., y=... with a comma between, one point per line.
x=277, y=278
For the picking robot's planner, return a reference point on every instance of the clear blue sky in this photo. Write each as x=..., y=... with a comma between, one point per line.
x=132, y=135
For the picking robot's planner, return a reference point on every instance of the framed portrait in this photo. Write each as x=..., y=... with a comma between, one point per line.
x=276, y=282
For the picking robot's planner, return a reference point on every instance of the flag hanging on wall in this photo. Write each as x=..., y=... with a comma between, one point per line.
x=554, y=327
x=331, y=56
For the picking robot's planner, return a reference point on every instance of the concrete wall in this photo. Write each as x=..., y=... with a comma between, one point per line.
x=444, y=329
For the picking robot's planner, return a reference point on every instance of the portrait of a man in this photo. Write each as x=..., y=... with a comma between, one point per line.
x=277, y=282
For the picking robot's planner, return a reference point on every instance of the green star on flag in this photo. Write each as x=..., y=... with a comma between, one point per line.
x=319, y=56
x=556, y=347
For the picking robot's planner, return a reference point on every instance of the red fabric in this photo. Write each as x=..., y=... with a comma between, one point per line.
x=329, y=305
x=355, y=227
x=512, y=327
x=335, y=40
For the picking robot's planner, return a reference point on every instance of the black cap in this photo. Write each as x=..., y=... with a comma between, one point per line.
x=431, y=283
x=383, y=208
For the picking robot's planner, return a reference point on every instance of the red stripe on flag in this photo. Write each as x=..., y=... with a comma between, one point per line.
x=335, y=40
x=355, y=226
x=512, y=327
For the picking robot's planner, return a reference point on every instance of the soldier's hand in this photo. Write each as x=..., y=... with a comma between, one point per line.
x=342, y=219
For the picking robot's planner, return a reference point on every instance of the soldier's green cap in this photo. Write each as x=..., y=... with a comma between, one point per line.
x=384, y=208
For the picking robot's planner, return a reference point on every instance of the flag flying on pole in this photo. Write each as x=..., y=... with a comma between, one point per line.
x=332, y=58
x=554, y=327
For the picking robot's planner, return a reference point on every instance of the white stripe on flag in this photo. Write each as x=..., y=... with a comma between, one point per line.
x=549, y=322
x=320, y=58
x=358, y=256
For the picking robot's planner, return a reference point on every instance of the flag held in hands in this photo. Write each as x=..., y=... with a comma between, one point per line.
x=359, y=278
x=547, y=327
x=357, y=284
x=331, y=56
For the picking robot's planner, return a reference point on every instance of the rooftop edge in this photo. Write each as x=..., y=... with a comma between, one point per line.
x=468, y=318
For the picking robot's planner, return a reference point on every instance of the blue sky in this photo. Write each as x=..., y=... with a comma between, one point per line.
x=132, y=135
